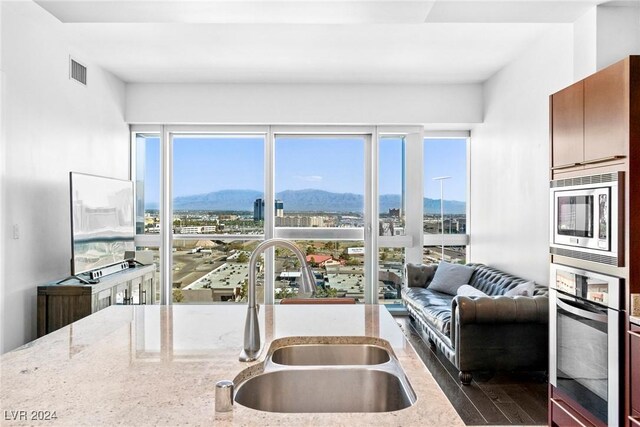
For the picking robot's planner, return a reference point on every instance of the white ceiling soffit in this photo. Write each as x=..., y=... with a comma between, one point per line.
x=317, y=12
x=323, y=53
x=238, y=12
x=540, y=11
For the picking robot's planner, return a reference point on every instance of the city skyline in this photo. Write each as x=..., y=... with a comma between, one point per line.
x=204, y=165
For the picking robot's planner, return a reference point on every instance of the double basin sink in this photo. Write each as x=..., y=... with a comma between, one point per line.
x=326, y=377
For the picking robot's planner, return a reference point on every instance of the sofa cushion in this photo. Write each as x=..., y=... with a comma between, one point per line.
x=419, y=275
x=470, y=291
x=434, y=307
x=449, y=277
x=522, y=289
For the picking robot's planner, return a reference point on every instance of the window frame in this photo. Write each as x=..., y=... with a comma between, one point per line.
x=413, y=241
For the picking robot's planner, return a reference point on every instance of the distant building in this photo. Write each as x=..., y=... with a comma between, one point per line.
x=319, y=260
x=279, y=208
x=394, y=212
x=258, y=209
x=300, y=221
x=189, y=230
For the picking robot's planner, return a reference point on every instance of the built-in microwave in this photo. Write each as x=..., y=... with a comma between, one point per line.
x=586, y=218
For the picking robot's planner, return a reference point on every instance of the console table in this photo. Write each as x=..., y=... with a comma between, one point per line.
x=64, y=303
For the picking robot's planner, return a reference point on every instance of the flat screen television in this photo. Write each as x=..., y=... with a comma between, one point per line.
x=102, y=221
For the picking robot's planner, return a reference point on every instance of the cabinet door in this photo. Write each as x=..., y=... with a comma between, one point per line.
x=121, y=294
x=634, y=364
x=101, y=300
x=606, y=113
x=136, y=291
x=567, y=125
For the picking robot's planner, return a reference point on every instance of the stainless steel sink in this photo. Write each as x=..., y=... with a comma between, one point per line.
x=326, y=390
x=330, y=354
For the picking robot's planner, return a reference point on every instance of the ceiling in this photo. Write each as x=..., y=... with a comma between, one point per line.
x=361, y=41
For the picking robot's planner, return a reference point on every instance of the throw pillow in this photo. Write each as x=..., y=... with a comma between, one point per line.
x=449, y=277
x=419, y=275
x=523, y=289
x=470, y=291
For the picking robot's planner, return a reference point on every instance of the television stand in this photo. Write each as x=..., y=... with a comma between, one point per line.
x=65, y=301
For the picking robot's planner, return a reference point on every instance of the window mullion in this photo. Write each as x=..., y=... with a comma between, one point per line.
x=414, y=196
x=166, y=217
x=371, y=219
x=269, y=214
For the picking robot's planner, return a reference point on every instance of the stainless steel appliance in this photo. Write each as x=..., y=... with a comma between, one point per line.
x=585, y=218
x=586, y=323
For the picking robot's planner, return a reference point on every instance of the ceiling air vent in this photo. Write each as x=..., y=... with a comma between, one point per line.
x=77, y=71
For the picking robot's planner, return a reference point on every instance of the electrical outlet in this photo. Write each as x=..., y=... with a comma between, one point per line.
x=16, y=232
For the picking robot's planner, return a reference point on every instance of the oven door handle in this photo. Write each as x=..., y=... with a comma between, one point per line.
x=582, y=313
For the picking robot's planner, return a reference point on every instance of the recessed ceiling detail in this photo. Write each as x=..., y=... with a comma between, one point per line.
x=361, y=41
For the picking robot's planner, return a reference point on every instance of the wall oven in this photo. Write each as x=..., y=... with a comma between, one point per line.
x=586, y=323
x=585, y=220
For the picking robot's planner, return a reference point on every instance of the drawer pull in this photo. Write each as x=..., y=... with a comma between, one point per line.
x=634, y=420
x=575, y=416
x=589, y=162
x=603, y=159
x=567, y=166
x=634, y=334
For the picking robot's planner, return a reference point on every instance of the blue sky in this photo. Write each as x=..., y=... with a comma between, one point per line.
x=203, y=165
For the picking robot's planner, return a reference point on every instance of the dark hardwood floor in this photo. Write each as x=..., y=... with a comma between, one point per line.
x=492, y=398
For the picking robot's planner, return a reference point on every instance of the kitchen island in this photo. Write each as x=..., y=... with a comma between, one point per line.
x=158, y=365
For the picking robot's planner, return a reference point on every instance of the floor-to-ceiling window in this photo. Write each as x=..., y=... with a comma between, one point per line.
x=356, y=200
x=392, y=191
x=218, y=181
x=320, y=203
x=445, y=199
x=146, y=167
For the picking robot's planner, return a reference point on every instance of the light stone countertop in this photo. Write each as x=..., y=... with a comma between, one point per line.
x=154, y=365
x=635, y=320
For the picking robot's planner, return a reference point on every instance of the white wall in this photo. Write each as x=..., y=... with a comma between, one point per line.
x=52, y=125
x=604, y=35
x=3, y=158
x=585, y=53
x=510, y=159
x=303, y=104
x=618, y=33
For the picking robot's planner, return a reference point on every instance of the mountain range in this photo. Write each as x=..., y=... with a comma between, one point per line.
x=302, y=201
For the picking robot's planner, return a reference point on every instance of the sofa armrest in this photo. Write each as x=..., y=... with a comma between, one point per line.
x=500, y=332
x=500, y=309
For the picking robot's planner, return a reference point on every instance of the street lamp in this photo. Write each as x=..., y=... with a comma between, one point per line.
x=441, y=179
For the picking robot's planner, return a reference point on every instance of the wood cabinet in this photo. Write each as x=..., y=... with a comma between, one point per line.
x=62, y=304
x=565, y=412
x=564, y=415
x=590, y=120
x=567, y=126
x=606, y=113
x=634, y=375
x=595, y=129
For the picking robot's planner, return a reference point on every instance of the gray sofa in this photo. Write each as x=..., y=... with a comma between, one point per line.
x=489, y=333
